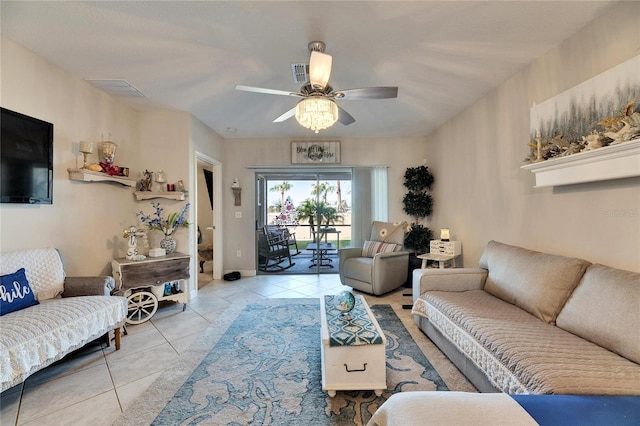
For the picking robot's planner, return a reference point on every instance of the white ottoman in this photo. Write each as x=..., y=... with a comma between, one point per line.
x=353, y=351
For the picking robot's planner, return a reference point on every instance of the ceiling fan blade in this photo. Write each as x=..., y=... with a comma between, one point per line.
x=344, y=117
x=287, y=115
x=268, y=91
x=367, y=93
x=319, y=69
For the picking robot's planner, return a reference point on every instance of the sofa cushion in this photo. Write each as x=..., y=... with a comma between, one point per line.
x=34, y=338
x=539, y=283
x=605, y=309
x=15, y=292
x=43, y=268
x=521, y=354
x=371, y=248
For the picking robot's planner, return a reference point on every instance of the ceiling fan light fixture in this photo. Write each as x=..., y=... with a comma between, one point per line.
x=319, y=69
x=316, y=113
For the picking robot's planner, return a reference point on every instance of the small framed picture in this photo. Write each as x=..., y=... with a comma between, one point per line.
x=315, y=152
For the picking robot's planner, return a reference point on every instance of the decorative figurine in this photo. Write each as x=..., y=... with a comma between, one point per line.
x=145, y=184
x=237, y=192
x=133, y=234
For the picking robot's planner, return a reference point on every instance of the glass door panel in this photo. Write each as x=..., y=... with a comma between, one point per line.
x=315, y=207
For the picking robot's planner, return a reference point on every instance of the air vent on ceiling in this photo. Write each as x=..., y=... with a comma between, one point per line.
x=300, y=73
x=117, y=87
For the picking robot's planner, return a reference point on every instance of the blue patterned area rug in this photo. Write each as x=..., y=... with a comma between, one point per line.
x=264, y=369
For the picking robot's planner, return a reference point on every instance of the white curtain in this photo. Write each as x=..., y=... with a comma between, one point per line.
x=369, y=194
x=379, y=194
x=370, y=201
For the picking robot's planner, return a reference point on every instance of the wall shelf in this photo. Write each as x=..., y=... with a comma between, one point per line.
x=90, y=176
x=148, y=195
x=610, y=162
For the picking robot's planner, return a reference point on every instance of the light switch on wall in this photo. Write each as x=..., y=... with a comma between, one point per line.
x=238, y=215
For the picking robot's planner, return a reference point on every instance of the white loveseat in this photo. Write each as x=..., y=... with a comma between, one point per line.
x=71, y=312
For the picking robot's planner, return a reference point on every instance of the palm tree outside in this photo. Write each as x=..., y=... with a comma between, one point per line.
x=323, y=189
x=324, y=197
x=282, y=188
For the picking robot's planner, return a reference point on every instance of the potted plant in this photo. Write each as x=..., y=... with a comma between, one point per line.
x=419, y=204
x=167, y=225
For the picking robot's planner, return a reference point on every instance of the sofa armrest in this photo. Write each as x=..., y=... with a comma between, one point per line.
x=88, y=286
x=392, y=254
x=347, y=253
x=453, y=279
x=390, y=270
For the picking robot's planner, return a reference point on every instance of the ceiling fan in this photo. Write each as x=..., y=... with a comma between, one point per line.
x=317, y=108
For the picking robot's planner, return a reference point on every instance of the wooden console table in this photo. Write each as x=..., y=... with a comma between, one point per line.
x=143, y=283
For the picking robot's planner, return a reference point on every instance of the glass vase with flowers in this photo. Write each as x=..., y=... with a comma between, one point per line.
x=167, y=225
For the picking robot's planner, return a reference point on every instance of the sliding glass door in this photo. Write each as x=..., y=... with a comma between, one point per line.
x=315, y=208
x=325, y=210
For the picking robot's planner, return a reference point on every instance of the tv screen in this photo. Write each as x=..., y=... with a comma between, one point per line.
x=26, y=159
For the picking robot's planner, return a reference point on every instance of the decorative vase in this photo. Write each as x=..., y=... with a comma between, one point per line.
x=108, y=151
x=169, y=244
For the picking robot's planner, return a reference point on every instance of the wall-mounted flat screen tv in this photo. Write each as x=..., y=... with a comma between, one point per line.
x=26, y=159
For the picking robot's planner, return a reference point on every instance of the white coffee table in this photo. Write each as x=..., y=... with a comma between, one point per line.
x=352, y=367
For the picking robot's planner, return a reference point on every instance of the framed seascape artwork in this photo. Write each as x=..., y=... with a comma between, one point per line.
x=590, y=132
x=315, y=152
x=602, y=111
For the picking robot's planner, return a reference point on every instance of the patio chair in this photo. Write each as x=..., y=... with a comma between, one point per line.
x=273, y=250
x=287, y=235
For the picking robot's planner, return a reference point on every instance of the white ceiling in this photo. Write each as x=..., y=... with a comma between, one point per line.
x=443, y=55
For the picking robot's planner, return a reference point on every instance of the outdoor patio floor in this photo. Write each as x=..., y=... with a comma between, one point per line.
x=303, y=262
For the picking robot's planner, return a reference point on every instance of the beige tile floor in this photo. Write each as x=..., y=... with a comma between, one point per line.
x=96, y=384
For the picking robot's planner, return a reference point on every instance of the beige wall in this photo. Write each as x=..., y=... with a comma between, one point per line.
x=86, y=220
x=207, y=146
x=163, y=137
x=240, y=154
x=482, y=194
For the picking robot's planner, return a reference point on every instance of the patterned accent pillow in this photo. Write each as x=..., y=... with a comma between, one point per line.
x=389, y=232
x=15, y=292
x=372, y=248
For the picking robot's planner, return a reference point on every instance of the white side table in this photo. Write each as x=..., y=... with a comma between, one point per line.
x=442, y=259
x=442, y=252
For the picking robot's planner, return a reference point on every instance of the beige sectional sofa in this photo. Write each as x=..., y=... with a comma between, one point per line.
x=70, y=312
x=526, y=322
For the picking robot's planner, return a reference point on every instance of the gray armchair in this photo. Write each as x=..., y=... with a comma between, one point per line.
x=381, y=265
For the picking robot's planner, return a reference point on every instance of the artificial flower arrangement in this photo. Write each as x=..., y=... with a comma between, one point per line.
x=167, y=225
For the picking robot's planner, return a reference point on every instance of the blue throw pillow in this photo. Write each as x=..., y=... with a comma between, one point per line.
x=15, y=292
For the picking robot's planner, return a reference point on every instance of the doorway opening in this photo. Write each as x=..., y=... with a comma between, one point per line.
x=206, y=200
x=311, y=211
